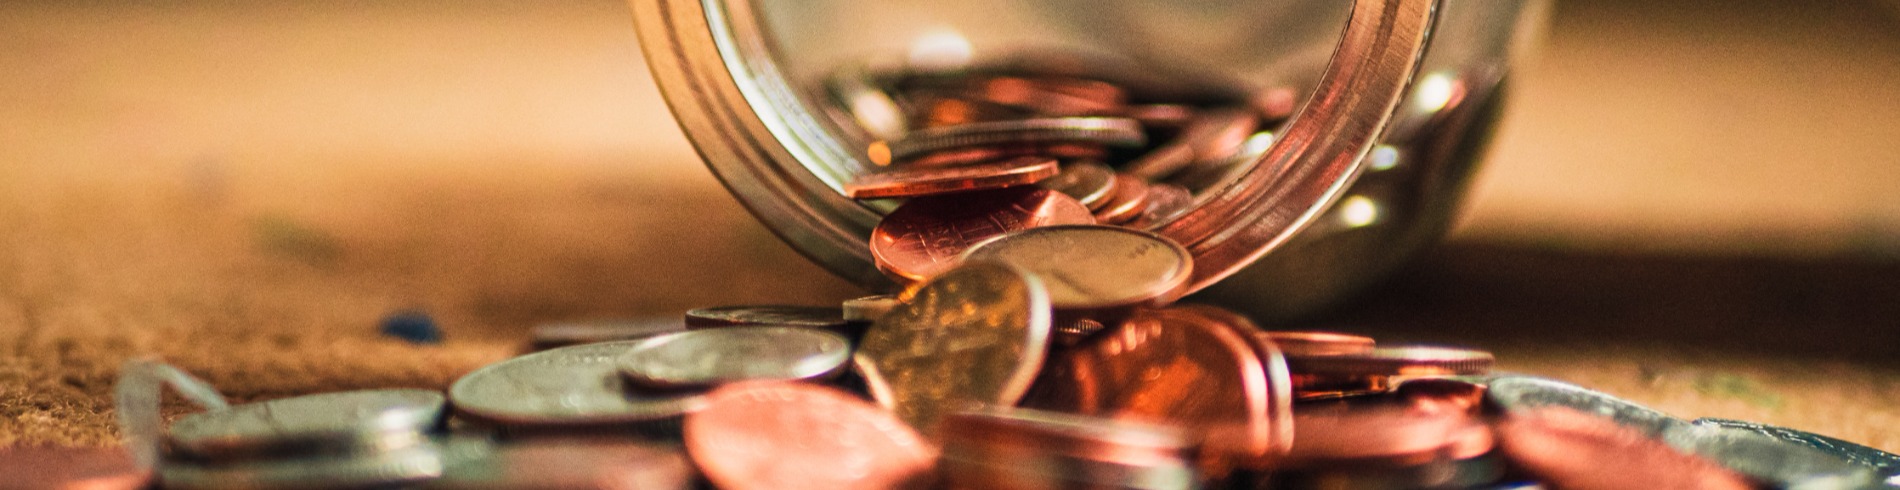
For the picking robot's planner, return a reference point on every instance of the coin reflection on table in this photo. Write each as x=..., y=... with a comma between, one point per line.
x=782, y=435
x=974, y=335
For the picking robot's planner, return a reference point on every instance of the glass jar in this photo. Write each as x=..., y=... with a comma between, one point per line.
x=1385, y=117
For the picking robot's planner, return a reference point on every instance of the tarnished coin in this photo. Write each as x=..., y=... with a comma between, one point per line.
x=923, y=181
x=787, y=436
x=578, y=386
x=327, y=422
x=374, y=469
x=1113, y=131
x=1517, y=393
x=767, y=316
x=1089, y=183
x=869, y=308
x=1781, y=463
x=925, y=236
x=38, y=468
x=1309, y=344
x=1574, y=450
x=702, y=358
x=552, y=335
x=570, y=463
x=1879, y=461
x=1196, y=367
x=1092, y=267
x=974, y=335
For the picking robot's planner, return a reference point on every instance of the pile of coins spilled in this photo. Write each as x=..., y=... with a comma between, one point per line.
x=1036, y=344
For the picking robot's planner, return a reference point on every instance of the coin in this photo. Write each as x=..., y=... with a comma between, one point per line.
x=1030, y=449
x=1197, y=367
x=1380, y=369
x=923, y=181
x=925, y=236
x=703, y=358
x=1388, y=436
x=71, y=469
x=570, y=463
x=767, y=315
x=1165, y=202
x=869, y=308
x=379, y=469
x=974, y=335
x=1112, y=131
x=1126, y=201
x=1050, y=97
x=326, y=422
x=552, y=335
x=1089, y=183
x=566, y=387
x=1516, y=393
x=777, y=435
x=1309, y=344
x=1093, y=267
x=1781, y=463
x=1574, y=450
x=1875, y=459
x=1163, y=116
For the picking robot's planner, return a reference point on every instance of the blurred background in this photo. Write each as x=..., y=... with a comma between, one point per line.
x=1689, y=203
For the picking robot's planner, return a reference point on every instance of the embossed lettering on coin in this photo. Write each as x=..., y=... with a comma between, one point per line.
x=974, y=335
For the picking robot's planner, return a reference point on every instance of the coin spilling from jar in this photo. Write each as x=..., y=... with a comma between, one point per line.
x=1036, y=344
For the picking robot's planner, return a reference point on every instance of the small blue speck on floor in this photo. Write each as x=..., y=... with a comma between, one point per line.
x=413, y=326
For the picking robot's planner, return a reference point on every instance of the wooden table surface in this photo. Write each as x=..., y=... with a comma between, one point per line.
x=1688, y=207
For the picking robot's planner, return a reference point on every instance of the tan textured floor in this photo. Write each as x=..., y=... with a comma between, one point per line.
x=246, y=191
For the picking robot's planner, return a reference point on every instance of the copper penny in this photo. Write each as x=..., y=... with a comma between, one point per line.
x=1309, y=344
x=1052, y=97
x=1094, y=267
x=1088, y=182
x=976, y=335
x=1379, y=435
x=70, y=469
x=1126, y=201
x=1578, y=451
x=1410, y=361
x=925, y=236
x=1196, y=367
x=923, y=181
x=772, y=435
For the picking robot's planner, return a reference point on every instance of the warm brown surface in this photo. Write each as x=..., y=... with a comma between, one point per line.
x=245, y=191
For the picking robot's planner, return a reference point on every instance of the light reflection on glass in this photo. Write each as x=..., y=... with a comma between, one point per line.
x=1434, y=92
x=1383, y=157
x=1357, y=211
x=940, y=50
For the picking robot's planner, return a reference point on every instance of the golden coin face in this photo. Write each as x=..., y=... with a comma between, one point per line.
x=1196, y=367
x=1093, y=266
x=974, y=335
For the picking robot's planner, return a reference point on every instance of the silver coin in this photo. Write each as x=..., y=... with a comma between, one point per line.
x=1517, y=393
x=1781, y=463
x=578, y=386
x=1115, y=131
x=868, y=308
x=571, y=463
x=767, y=315
x=702, y=358
x=552, y=335
x=1875, y=459
x=312, y=423
x=416, y=463
x=1090, y=267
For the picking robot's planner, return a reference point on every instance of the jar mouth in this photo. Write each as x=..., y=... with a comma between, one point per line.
x=789, y=159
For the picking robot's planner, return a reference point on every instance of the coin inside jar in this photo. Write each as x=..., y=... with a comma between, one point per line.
x=310, y=423
x=974, y=335
x=702, y=358
x=1092, y=267
x=926, y=235
x=1088, y=182
x=1307, y=344
x=1104, y=130
x=922, y=181
x=578, y=386
x=776, y=435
